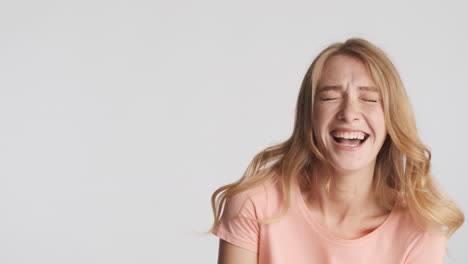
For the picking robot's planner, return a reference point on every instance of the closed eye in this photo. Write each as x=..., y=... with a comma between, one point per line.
x=335, y=98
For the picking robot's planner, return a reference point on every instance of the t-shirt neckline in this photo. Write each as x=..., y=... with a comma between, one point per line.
x=329, y=236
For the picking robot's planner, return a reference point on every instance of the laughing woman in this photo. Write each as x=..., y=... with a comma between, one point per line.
x=351, y=185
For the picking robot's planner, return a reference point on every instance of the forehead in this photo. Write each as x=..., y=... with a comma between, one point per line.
x=325, y=88
x=341, y=69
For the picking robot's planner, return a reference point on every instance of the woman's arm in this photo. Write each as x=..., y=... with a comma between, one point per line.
x=232, y=254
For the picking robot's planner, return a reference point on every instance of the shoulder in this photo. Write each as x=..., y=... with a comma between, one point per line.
x=428, y=248
x=238, y=224
x=255, y=200
x=422, y=244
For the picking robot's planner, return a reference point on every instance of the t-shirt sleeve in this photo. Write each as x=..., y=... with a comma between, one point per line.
x=236, y=230
x=429, y=250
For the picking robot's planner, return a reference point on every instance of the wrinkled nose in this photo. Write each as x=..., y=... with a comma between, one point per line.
x=349, y=111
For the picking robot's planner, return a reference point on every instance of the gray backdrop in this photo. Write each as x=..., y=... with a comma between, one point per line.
x=120, y=118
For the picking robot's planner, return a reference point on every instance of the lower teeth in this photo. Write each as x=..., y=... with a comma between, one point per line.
x=349, y=142
x=350, y=145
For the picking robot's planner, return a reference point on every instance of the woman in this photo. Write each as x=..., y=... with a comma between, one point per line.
x=351, y=185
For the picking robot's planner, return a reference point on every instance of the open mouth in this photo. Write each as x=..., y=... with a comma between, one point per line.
x=349, y=139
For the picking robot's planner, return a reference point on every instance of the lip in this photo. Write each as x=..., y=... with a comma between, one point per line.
x=349, y=148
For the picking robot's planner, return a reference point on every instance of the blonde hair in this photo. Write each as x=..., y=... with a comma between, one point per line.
x=402, y=165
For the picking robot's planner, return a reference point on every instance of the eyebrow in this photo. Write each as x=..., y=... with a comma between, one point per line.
x=339, y=87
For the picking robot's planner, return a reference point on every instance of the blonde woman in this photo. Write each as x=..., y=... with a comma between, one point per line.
x=351, y=185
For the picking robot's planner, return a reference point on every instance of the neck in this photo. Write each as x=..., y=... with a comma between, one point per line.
x=350, y=194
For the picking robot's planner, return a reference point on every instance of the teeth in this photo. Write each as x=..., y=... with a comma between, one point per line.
x=350, y=145
x=349, y=135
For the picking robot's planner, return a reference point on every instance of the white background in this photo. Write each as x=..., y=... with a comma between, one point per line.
x=118, y=119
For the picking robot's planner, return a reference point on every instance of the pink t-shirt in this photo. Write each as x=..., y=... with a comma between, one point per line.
x=298, y=239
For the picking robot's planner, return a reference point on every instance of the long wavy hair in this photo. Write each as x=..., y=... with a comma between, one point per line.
x=402, y=165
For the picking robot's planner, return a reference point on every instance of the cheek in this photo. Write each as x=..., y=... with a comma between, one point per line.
x=323, y=114
x=378, y=123
x=320, y=123
x=321, y=119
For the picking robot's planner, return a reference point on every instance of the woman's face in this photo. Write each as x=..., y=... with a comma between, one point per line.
x=348, y=114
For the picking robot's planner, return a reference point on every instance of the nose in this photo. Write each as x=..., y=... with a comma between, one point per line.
x=349, y=111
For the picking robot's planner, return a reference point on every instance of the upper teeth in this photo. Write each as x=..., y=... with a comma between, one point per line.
x=349, y=135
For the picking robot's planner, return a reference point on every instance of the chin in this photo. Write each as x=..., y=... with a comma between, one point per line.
x=350, y=165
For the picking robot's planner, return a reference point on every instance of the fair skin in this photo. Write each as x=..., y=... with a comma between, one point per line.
x=346, y=99
x=232, y=254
